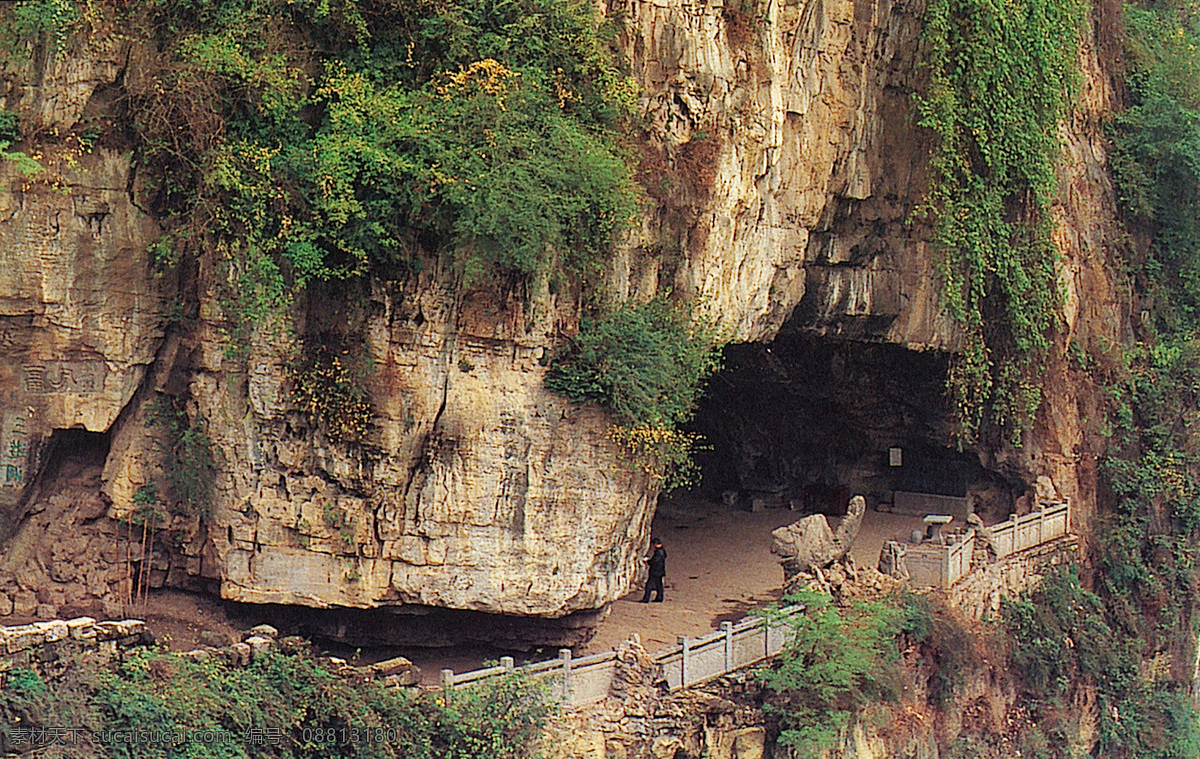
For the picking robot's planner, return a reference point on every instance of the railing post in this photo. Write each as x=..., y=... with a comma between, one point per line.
x=728, y=628
x=507, y=662
x=564, y=654
x=447, y=685
x=766, y=637
x=945, y=566
x=683, y=662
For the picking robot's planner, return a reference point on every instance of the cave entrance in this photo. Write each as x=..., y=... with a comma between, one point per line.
x=69, y=456
x=806, y=422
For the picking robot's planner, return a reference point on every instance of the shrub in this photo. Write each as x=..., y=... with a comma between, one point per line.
x=154, y=703
x=834, y=662
x=189, y=457
x=31, y=18
x=328, y=385
x=647, y=363
x=945, y=644
x=1063, y=636
x=10, y=127
x=353, y=135
x=1060, y=636
x=1157, y=158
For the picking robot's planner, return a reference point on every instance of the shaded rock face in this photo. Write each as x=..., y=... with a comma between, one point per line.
x=807, y=420
x=789, y=169
x=81, y=314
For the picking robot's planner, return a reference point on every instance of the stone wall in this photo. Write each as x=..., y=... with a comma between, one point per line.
x=977, y=594
x=638, y=721
x=722, y=719
x=43, y=643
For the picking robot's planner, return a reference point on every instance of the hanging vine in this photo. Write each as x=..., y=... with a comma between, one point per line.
x=1000, y=72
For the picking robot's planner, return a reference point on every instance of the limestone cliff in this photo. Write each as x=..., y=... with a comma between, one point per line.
x=790, y=165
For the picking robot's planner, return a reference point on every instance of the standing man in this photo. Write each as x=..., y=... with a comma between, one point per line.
x=658, y=570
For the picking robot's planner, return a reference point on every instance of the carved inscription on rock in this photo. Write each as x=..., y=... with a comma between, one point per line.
x=77, y=377
x=14, y=450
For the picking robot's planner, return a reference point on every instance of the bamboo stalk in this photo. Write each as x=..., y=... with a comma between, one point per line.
x=149, y=559
x=127, y=596
x=142, y=568
x=117, y=555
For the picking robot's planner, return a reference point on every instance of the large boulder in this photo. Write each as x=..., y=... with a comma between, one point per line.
x=809, y=545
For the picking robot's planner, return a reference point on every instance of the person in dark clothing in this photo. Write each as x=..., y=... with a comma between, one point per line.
x=658, y=570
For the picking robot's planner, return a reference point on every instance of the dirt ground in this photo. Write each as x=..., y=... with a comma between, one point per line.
x=178, y=619
x=719, y=566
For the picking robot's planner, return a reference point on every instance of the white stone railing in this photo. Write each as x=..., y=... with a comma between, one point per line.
x=1045, y=524
x=586, y=680
x=934, y=565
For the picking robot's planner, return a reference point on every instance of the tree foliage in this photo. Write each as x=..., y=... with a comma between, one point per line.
x=1063, y=637
x=159, y=704
x=647, y=363
x=329, y=139
x=835, y=661
x=1157, y=157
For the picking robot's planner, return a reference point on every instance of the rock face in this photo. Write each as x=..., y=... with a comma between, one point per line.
x=789, y=169
x=477, y=489
x=81, y=315
x=811, y=184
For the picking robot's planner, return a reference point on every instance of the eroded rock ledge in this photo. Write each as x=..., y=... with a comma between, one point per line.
x=476, y=489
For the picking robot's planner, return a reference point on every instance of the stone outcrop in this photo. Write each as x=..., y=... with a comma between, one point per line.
x=81, y=312
x=809, y=545
x=477, y=489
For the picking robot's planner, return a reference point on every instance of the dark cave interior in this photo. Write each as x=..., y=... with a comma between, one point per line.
x=807, y=421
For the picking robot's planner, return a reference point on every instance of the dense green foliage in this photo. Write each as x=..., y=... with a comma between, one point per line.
x=647, y=363
x=1064, y=638
x=279, y=706
x=1157, y=161
x=1147, y=559
x=325, y=140
x=836, y=660
x=1000, y=72
x=188, y=457
x=29, y=19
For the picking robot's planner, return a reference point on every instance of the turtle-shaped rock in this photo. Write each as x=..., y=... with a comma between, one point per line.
x=809, y=544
